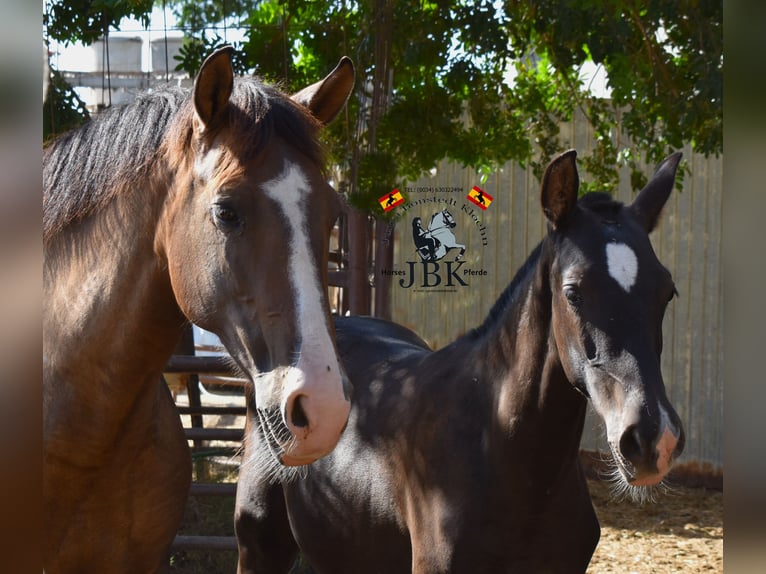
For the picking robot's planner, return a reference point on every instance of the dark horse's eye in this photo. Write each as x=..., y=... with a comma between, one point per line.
x=225, y=215
x=573, y=296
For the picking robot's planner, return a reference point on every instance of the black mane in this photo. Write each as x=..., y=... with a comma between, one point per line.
x=81, y=168
x=507, y=298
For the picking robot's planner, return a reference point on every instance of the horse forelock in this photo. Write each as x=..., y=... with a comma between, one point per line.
x=258, y=113
x=602, y=204
x=114, y=152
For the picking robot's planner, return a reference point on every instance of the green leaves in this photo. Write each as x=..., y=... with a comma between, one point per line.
x=70, y=21
x=479, y=82
x=63, y=110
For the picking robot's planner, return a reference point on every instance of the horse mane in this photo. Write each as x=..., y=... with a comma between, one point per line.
x=508, y=296
x=114, y=153
x=82, y=168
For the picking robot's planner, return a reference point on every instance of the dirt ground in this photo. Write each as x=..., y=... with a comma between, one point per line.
x=682, y=532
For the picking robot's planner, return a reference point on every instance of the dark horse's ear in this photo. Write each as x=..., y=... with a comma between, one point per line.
x=650, y=200
x=328, y=96
x=213, y=85
x=558, y=194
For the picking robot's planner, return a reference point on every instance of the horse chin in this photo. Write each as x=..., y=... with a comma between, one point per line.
x=647, y=481
x=297, y=461
x=626, y=484
x=301, y=451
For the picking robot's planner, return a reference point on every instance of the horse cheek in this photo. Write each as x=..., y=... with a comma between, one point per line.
x=563, y=337
x=193, y=288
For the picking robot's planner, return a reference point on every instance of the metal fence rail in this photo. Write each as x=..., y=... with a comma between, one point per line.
x=191, y=367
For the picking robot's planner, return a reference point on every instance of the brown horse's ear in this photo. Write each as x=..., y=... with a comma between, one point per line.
x=213, y=85
x=558, y=194
x=328, y=96
x=649, y=203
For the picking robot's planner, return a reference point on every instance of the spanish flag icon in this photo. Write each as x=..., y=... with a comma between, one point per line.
x=479, y=197
x=391, y=200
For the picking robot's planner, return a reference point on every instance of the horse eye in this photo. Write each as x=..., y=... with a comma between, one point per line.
x=573, y=296
x=225, y=214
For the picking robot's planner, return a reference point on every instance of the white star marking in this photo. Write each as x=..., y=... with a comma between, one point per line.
x=622, y=263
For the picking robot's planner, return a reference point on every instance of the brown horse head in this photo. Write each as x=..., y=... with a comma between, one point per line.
x=250, y=200
x=609, y=297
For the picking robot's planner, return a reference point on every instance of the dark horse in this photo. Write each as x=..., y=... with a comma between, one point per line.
x=466, y=459
x=209, y=207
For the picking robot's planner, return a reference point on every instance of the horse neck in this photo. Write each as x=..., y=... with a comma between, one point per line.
x=531, y=393
x=109, y=310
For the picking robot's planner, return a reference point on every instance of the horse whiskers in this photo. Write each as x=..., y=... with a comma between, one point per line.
x=295, y=472
x=264, y=460
x=271, y=425
x=275, y=472
x=622, y=490
x=278, y=441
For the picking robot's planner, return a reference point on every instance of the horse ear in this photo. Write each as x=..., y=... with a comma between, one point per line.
x=558, y=194
x=213, y=85
x=328, y=96
x=650, y=200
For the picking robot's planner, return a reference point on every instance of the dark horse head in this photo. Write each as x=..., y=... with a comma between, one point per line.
x=609, y=297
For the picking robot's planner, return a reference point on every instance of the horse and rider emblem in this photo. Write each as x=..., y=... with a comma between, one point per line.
x=434, y=242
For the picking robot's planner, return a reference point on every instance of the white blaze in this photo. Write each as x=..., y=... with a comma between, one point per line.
x=622, y=263
x=317, y=375
x=289, y=191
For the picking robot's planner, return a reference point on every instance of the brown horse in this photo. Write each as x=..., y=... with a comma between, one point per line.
x=466, y=459
x=209, y=207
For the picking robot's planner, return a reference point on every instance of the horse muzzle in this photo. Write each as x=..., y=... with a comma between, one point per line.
x=645, y=452
x=313, y=411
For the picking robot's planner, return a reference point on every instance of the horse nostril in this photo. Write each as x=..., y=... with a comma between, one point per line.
x=298, y=415
x=630, y=444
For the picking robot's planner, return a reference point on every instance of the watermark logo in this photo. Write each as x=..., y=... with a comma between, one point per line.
x=479, y=197
x=433, y=243
x=391, y=200
x=442, y=243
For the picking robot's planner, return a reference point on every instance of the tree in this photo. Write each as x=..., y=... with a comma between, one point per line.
x=664, y=61
x=434, y=75
x=70, y=21
x=63, y=110
x=85, y=21
x=434, y=78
